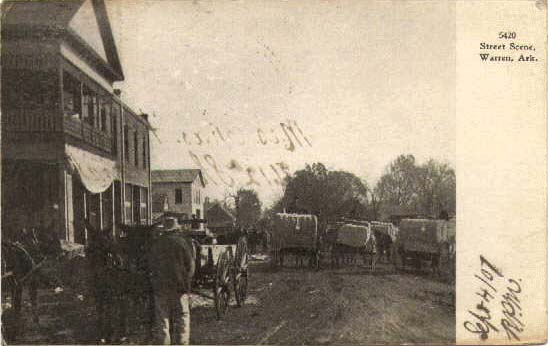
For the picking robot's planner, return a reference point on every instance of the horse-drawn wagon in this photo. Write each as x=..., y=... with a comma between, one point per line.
x=426, y=240
x=297, y=235
x=351, y=238
x=220, y=268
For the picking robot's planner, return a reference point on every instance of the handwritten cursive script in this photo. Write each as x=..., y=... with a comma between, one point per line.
x=499, y=295
x=288, y=134
x=217, y=174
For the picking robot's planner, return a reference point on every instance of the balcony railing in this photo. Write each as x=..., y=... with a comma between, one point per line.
x=23, y=120
x=88, y=134
x=31, y=120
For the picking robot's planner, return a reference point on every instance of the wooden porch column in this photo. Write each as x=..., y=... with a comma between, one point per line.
x=86, y=216
x=113, y=207
x=62, y=201
x=69, y=207
x=101, y=225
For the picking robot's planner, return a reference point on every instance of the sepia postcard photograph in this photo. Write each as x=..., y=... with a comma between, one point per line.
x=273, y=172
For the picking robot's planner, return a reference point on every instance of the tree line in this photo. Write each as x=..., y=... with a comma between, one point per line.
x=405, y=188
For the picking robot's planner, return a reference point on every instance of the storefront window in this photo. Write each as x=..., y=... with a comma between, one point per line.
x=144, y=205
x=128, y=204
x=107, y=209
x=136, y=204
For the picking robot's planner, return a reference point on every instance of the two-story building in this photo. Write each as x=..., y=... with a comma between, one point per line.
x=182, y=190
x=71, y=149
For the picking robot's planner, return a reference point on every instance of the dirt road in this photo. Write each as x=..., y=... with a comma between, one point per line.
x=287, y=306
x=343, y=306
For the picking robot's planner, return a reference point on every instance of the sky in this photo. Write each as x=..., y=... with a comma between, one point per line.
x=250, y=91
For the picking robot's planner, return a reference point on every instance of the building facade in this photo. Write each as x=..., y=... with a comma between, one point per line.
x=181, y=189
x=71, y=149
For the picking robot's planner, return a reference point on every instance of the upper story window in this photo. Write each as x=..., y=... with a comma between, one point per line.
x=144, y=152
x=104, y=119
x=114, y=115
x=136, y=147
x=126, y=142
x=89, y=111
x=178, y=196
x=72, y=97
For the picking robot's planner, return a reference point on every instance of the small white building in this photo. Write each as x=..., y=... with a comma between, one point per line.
x=181, y=190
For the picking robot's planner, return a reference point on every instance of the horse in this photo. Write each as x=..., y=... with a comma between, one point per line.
x=121, y=280
x=118, y=278
x=384, y=245
x=25, y=258
x=300, y=254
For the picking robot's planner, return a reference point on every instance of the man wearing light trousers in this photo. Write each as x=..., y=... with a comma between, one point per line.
x=171, y=264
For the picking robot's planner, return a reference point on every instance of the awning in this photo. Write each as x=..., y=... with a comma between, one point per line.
x=96, y=172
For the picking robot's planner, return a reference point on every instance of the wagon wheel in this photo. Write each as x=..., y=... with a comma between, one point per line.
x=241, y=272
x=240, y=288
x=221, y=291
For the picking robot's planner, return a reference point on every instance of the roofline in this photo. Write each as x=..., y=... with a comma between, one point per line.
x=40, y=32
x=93, y=57
x=200, y=174
x=223, y=208
x=171, y=182
x=105, y=28
x=201, y=177
x=110, y=68
x=137, y=115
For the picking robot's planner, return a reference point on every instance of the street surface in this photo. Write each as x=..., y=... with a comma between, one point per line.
x=349, y=305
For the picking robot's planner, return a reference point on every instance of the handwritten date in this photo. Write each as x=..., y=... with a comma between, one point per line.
x=499, y=296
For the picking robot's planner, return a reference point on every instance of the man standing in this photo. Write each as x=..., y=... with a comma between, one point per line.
x=171, y=264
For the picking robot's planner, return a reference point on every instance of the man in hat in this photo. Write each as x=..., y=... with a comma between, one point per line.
x=171, y=264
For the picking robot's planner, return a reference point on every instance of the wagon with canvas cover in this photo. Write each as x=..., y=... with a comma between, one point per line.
x=351, y=239
x=425, y=240
x=295, y=234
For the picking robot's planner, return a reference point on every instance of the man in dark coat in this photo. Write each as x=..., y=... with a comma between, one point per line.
x=171, y=264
